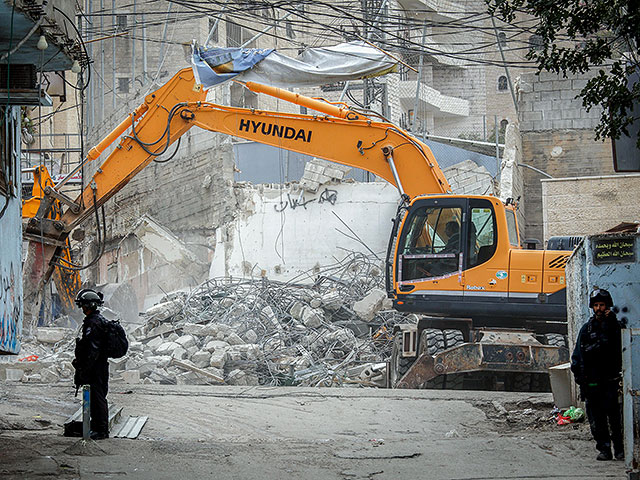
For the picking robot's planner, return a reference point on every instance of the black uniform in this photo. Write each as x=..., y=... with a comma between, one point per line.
x=596, y=364
x=92, y=368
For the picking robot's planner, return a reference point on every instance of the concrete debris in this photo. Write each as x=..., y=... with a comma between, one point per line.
x=369, y=305
x=334, y=332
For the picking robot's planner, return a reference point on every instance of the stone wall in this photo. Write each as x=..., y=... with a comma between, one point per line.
x=589, y=205
x=467, y=178
x=557, y=138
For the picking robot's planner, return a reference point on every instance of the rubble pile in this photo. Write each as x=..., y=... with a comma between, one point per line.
x=332, y=331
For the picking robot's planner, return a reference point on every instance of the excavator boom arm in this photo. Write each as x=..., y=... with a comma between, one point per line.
x=336, y=134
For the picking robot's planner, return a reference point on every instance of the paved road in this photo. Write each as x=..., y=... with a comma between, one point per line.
x=300, y=433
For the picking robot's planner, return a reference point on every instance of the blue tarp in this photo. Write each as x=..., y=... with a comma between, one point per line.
x=217, y=65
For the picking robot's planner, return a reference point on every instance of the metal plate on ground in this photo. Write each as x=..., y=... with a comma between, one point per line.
x=129, y=427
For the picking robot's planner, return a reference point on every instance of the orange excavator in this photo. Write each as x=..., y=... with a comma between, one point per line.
x=485, y=303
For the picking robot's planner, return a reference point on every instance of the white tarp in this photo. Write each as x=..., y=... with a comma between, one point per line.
x=315, y=66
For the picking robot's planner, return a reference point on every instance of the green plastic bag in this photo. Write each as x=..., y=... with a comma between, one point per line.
x=575, y=414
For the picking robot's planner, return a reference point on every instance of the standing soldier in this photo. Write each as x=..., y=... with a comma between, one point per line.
x=91, y=363
x=596, y=364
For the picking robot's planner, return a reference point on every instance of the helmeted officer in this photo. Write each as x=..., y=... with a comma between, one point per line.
x=91, y=363
x=596, y=364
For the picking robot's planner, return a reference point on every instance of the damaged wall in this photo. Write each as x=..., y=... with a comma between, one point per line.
x=282, y=231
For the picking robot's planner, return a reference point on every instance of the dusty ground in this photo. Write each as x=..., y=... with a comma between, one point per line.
x=299, y=433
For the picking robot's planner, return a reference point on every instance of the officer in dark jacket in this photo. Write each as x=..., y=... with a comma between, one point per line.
x=596, y=364
x=92, y=367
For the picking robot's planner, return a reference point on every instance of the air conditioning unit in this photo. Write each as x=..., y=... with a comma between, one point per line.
x=18, y=86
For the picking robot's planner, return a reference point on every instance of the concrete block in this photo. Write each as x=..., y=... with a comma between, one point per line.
x=560, y=124
x=186, y=341
x=334, y=173
x=218, y=359
x=583, y=123
x=237, y=377
x=192, y=350
x=578, y=84
x=332, y=301
x=531, y=116
x=52, y=335
x=571, y=113
x=370, y=304
x=568, y=94
x=543, y=86
x=136, y=346
x=234, y=339
x=216, y=345
x=131, y=376
x=552, y=115
x=116, y=364
x=13, y=374
x=312, y=317
x=250, y=336
x=179, y=353
x=160, y=361
x=164, y=311
x=201, y=358
x=296, y=310
x=167, y=347
x=154, y=343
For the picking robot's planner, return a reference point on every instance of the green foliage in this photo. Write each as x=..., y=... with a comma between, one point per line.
x=582, y=35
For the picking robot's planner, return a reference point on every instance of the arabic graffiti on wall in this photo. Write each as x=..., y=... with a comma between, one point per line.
x=10, y=310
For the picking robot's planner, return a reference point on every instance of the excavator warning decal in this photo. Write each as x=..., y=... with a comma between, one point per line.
x=559, y=262
x=270, y=129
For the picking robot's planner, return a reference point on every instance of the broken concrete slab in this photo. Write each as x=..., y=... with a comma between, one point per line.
x=167, y=246
x=370, y=304
x=52, y=335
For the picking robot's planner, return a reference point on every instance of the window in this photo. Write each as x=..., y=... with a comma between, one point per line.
x=289, y=29
x=234, y=34
x=123, y=84
x=482, y=238
x=503, y=85
x=503, y=124
x=512, y=227
x=213, y=29
x=502, y=39
x=431, y=246
x=243, y=97
x=121, y=23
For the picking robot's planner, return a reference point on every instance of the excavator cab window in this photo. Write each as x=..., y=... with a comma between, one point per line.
x=431, y=246
x=482, y=233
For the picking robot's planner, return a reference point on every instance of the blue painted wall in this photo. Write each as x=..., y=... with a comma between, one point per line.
x=11, y=243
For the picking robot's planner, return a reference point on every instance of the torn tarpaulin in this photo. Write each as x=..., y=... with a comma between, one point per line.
x=315, y=66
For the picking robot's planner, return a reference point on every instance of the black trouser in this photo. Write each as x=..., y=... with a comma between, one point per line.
x=99, y=407
x=603, y=411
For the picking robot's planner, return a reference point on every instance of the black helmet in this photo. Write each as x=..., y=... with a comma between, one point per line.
x=600, y=295
x=89, y=298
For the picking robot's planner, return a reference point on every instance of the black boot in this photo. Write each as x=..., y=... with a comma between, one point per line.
x=604, y=455
x=98, y=435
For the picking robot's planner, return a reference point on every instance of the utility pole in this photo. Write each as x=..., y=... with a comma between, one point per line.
x=416, y=100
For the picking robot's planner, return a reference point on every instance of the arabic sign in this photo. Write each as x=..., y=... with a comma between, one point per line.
x=614, y=250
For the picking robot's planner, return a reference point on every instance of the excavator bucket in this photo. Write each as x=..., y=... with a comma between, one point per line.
x=36, y=267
